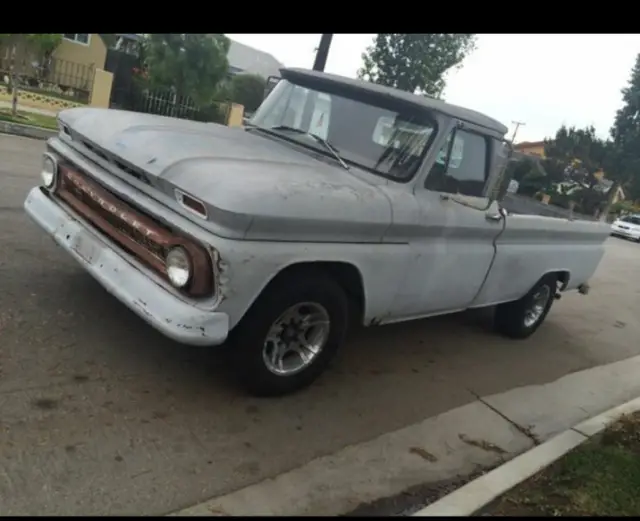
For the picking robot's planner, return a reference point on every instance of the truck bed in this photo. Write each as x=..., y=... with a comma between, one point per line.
x=518, y=204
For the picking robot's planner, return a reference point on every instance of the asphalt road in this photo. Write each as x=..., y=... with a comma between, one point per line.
x=99, y=414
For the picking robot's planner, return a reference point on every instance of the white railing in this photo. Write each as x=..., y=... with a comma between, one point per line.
x=168, y=104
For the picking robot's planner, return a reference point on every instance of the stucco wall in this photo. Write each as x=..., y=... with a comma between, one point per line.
x=93, y=54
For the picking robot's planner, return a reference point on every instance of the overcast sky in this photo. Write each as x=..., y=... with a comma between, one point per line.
x=542, y=80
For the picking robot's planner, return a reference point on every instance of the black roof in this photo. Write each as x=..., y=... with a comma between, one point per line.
x=423, y=101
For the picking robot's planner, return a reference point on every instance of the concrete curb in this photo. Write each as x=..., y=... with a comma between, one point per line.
x=480, y=492
x=17, y=129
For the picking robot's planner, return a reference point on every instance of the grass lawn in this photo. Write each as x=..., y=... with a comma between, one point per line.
x=598, y=478
x=29, y=118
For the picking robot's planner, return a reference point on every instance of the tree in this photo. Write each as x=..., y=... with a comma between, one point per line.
x=42, y=44
x=623, y=162
x=248, y=90
x=415, y=62
x=579, y=151
x=189, y=64
x=518, y=169
x=573, y=157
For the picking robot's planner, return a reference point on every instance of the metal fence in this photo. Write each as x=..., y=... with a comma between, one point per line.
x=53, y=77
x=167, y=103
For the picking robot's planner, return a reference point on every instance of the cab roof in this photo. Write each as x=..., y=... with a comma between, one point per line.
x=461, y=113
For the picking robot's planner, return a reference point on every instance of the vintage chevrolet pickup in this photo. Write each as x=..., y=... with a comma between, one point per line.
x=340, y=202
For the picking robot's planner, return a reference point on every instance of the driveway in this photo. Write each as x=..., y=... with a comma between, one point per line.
x=99, y=414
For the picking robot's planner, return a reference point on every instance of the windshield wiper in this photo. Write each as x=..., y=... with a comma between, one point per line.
x=322, y=141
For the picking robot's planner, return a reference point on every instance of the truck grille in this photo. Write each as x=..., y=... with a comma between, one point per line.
x=136, y=233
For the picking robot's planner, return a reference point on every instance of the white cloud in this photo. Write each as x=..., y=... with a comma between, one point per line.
x=544, y=80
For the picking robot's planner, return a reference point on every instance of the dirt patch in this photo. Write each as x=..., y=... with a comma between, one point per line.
x=416, y=498
x=598, y=478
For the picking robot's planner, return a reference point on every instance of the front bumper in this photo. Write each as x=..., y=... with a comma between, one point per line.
x=164, y=311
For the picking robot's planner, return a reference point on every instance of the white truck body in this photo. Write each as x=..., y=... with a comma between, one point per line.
x=274, y=200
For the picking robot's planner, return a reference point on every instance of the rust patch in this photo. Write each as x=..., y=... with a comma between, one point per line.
x=133, y=231
x=482, y=444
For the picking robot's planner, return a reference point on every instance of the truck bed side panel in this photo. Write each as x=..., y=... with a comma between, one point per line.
x=531, y=246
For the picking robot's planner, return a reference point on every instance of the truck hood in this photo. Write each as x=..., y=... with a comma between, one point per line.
x=257, y=186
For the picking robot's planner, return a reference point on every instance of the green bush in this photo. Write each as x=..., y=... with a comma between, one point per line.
x=247, y=90
x=214, y=113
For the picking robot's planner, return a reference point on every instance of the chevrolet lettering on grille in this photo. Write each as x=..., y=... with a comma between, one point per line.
x=106, y=205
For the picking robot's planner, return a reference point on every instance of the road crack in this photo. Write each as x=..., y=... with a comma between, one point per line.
x=523, y=430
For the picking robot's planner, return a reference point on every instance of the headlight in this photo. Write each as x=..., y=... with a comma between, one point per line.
x=178, y=265
x=49, y=170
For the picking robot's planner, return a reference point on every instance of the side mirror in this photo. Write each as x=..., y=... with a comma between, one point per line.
x=271, y=82
x=503, y=186
x=501, y=163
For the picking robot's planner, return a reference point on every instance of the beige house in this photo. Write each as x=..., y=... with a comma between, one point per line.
x=65, y=79
x=71, y=66
x=530, y=148
x=82, y=49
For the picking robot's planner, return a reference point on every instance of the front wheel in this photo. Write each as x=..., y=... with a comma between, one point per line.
x=290, y=333
x=521, y=318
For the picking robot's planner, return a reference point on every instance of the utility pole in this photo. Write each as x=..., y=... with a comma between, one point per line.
x=518, y=124
x=322, y=52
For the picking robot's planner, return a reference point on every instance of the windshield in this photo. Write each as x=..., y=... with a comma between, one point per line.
x=386, y=142
x=631, y=219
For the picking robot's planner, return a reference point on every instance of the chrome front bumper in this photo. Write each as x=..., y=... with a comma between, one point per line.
x=164, y=311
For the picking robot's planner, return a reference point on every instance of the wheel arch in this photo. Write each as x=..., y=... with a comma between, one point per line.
x=563, y=277
x=346, y=274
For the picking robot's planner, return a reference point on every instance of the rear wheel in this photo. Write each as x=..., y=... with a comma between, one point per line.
x=290, y=333
x=521, y=318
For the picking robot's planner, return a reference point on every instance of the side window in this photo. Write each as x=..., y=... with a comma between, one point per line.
x=466, y=171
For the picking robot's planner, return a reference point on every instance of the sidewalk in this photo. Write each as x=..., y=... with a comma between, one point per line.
x=482, y=434
x=480, y=494
x=23, y=108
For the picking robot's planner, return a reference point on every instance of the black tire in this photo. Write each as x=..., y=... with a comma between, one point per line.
x=510, y=317
x=249, y=336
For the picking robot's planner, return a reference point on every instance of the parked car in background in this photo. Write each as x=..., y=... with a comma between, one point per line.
x=627, y=227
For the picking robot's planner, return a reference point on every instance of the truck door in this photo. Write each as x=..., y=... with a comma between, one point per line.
x=458, y=226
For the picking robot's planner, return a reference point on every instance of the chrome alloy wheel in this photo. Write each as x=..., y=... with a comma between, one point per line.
x=296, y=338
x=538, y=304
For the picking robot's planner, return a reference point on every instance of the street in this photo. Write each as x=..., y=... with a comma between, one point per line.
x=99, y=414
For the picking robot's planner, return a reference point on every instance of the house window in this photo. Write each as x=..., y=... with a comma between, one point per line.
x=78, y=38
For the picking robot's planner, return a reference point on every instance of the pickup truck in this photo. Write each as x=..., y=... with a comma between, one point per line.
x=341, y=202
